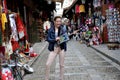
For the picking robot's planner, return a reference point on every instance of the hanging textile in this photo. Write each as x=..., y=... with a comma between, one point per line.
x=3, y=21
x=81, y=8
x=89, y=12
x=0, y=9
x=88, y=21
x=77, y=9
x=96, y=3
x=111, y=6
x=13, y=27
x=20, y=27
x=5, y=6
x=8, y=48
x=15, y=45
x=99, y=3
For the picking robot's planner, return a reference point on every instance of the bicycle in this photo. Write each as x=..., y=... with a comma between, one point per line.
x=16, y=67
x=19, y=68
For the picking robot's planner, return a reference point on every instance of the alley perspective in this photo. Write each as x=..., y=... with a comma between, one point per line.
x=59, y=39
x=81, y=63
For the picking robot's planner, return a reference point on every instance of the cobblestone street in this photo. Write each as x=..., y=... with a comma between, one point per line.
x=81, y=63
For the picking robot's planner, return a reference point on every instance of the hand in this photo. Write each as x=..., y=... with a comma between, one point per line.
x=58, y=38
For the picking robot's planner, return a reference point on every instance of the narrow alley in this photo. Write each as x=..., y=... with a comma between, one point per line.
x=32, y=32
x=81, y=63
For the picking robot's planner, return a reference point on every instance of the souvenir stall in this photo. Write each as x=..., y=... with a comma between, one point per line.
x=109, y=15
x=80, y=13
x=113, y=27
x=94, y=21
x=13, y=43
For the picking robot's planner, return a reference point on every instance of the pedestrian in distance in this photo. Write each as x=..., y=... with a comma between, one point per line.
x=53, y=38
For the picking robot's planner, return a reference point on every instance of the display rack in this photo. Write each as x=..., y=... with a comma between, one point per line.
x=113, y=27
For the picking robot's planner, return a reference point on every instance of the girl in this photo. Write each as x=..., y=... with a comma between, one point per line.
x=55, y=49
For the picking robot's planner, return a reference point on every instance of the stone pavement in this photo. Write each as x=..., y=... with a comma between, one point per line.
x=114, y=55
x=81, y=63
x=38, y=48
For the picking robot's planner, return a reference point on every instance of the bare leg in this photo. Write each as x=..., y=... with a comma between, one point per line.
x=61, y=61
x=50, y=59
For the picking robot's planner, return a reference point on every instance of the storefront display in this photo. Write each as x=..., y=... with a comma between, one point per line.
x=113, y=28
x=113, y=25
x=12, y=34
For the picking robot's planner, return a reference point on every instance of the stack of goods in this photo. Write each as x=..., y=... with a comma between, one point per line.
x=113, y=22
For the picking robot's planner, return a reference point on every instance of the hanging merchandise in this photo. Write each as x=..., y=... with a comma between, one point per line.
x=3, y=21
x=96, y=3
x=20, y=27
x=89, y=10
x=2, y=51
x=113, y=25
x=77, y=9
x=107, y=1
x=4, y=6
x=13, y=27
x=95, y=39
x=15, y=44
x=111, y=6
x=81, y=8
x=99, y=3
x=88, y=21
x=8, y=48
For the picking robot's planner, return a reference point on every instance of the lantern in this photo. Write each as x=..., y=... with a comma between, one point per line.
x=81, y=8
